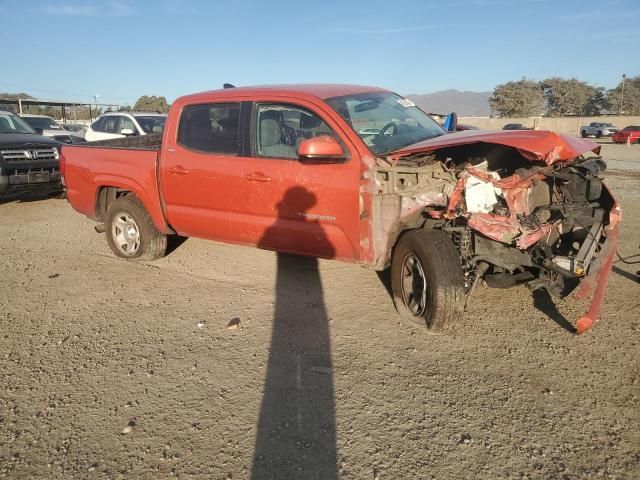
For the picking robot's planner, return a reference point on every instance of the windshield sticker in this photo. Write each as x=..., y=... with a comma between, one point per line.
x=406, y=103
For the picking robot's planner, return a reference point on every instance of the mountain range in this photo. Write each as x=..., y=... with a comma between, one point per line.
x=465, y=104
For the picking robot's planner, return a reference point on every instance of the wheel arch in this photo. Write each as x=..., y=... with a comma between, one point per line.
x=401, y=226
x=106, y=193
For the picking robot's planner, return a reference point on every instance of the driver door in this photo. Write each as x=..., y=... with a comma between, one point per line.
x=291, y=206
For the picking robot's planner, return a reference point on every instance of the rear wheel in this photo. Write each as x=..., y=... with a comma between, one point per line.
x=426, y=278
x=584, y=133
x=599, y=134
x=131, y=233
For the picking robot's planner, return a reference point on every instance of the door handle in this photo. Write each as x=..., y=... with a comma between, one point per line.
x=258, y=177
x=178, y=170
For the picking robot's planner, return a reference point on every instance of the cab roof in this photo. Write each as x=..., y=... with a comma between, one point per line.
x=321, y=91
x=148, y=114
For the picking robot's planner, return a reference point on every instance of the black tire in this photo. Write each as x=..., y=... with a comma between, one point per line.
x=584, y=134
x=599, y=134
x=441, y=291
x=131, y=233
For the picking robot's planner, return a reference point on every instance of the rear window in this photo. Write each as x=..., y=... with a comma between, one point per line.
x=97, y=125
x=210, y=128
x=43, y=123
x=632, y=128
x=110, y=125
x=151, y=123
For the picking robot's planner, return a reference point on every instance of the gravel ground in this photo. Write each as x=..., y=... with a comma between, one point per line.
x=112, y=369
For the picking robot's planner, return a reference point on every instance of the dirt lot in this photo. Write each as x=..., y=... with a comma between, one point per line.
x=110, y=369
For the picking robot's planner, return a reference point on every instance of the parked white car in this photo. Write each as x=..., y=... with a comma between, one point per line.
x=598, y=130
x=47, y=126
x=125, y=124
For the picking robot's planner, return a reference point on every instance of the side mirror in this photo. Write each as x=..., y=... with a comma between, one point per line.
x=451, y=122
x=322, y=149
x=39, y=131
x=127, y=132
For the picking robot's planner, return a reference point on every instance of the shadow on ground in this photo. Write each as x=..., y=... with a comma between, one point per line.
x=25, y=197
x=628, y=275
x=296, y=435
x=174, y=242
x=544, y=303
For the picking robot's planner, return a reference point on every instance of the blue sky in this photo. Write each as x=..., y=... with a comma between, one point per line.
x=121, y=49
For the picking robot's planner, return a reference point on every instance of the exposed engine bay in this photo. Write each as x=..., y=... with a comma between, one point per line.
x=515, y=218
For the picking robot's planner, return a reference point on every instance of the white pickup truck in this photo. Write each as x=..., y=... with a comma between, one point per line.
x=598, y=130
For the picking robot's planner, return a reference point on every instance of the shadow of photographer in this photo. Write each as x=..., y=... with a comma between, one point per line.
x=296, y=435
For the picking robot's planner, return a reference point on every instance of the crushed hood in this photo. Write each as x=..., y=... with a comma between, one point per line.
x=550, y=147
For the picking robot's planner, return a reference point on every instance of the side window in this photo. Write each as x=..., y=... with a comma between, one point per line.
x=97, y=125
x=210, y=128
x=126, y=122
x=281, y=128
x=110, y=124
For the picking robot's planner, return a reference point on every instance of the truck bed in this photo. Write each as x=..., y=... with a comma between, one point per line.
x=127, y=164
x=142, y=142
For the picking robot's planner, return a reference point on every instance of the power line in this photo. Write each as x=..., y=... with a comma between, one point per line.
x=22, y=87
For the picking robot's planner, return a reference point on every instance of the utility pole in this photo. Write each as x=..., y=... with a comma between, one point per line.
x=95, y=100
x=622, y=94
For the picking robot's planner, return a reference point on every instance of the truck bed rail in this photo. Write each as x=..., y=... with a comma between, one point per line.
x=142, y=142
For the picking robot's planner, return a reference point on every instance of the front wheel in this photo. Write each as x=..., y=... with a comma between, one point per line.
x=584, y=134
x=426, y=278
x=599, y=135
x=131, y=233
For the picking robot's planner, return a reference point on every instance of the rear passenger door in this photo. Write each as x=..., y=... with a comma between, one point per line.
x=201, y=173
x=293, y=206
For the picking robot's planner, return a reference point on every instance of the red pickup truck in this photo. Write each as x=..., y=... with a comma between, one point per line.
x=362, y=175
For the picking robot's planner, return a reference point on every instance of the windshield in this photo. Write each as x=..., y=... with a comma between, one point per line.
x=10, y=123
x=43, y=123
x=151, y=124
x=385, y=121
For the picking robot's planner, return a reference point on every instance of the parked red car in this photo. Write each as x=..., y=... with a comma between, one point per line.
x=630, y=133
x=362, y=175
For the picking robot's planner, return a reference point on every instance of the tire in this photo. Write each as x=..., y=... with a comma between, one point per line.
x=598, y=134
x=432, y=254
x=131, y=233
x=584, y=134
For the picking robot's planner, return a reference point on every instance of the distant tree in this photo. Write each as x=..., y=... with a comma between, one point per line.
x=517, y=99
x=124, y=108
x=631, y=100
x=572, y=97
x=151, y=104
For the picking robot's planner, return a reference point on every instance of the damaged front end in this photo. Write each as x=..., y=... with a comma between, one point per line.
x=521, y=209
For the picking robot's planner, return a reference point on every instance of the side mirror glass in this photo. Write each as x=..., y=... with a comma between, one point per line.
x=324, y=149
x=451, y=122
x=127, y=132
x=39, y=131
